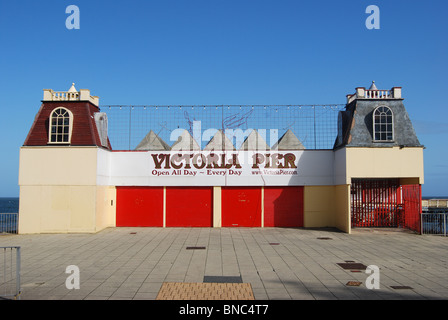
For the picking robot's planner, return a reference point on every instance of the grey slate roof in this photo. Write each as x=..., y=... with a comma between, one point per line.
x=185, y=142
x=288, y=141
x=219, y=142
x=152, y=142
x=356, y=125
x=254, y=141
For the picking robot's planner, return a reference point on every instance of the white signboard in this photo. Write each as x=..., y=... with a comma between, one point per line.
x=221, y=168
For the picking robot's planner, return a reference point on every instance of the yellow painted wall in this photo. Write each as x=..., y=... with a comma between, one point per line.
x=69, y=166
x=59, y=192
x=65, y=209
x=319, y=206
x=57, y=209
x=384, y=163
x=217, y=211
x=342, y=218
x=105, y=215
x=327, y=206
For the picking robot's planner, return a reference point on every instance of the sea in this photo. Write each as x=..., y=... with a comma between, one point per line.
x=9, y=205
x=434, y=198
x=9, y=208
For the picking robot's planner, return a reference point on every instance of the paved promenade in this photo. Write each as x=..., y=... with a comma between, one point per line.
x=279, y=263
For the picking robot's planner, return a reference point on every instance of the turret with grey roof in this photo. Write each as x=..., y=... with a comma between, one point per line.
x=356, y=126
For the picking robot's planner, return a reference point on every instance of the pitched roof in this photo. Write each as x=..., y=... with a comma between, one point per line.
x=288, y=141
x=219, y=142
x=356, y=125
x=185, y=142
x=152, y=142
x=254, y=141
x=84, y=131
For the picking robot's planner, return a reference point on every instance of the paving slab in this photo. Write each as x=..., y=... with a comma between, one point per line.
x=277, y=263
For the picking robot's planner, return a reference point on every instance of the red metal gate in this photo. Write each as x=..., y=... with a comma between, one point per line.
x=375, y=202
x=412, y=205
x=385, y=203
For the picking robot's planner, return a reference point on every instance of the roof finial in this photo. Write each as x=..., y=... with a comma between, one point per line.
x=373, y=86
x=72, y=88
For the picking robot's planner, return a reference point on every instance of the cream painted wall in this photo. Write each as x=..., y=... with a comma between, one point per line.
x=384, y=163
x=64, y=209
x=106, y=199
x=57, y=209
x=342, y=218
x=327, y=206
x=319, y=206
x=217, y=211
x=68, y=166
x=59, y=192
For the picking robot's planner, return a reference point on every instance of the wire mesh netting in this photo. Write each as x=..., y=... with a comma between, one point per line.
x=314, y=125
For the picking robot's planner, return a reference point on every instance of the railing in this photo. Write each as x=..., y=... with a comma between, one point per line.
x=435, y=203
x=64, y=95
x=10, y=272
x=378, y=94
x=435, y=223
x=8, y=222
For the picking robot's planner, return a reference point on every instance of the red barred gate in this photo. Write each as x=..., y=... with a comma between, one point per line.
x=375, y=202
x=412, y=203
x=385, y=203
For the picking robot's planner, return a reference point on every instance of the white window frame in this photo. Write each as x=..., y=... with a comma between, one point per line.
x=70, y=126
x=381, y=131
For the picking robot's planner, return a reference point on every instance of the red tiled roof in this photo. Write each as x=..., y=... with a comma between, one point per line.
x=84, y=132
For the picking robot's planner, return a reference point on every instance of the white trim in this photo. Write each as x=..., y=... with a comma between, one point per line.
x=262, y=206
x=70, y=127
x=373, y=125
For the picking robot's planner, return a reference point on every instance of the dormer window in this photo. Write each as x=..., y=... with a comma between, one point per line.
x=383, y=124
x=61, y=122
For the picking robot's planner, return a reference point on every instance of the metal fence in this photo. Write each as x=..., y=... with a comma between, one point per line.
x=10, y=272
x=8, y=222
x=435, y=223
x=314, y=125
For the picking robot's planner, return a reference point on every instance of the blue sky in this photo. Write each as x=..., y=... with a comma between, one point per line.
x=224, y=52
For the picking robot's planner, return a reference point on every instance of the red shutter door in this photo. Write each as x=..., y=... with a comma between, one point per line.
x=139, y=207
x=241, y=207
x=283, y=206
x=189, y=207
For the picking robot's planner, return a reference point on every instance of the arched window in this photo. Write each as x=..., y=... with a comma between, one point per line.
x=383, y=124
x=61, y=121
